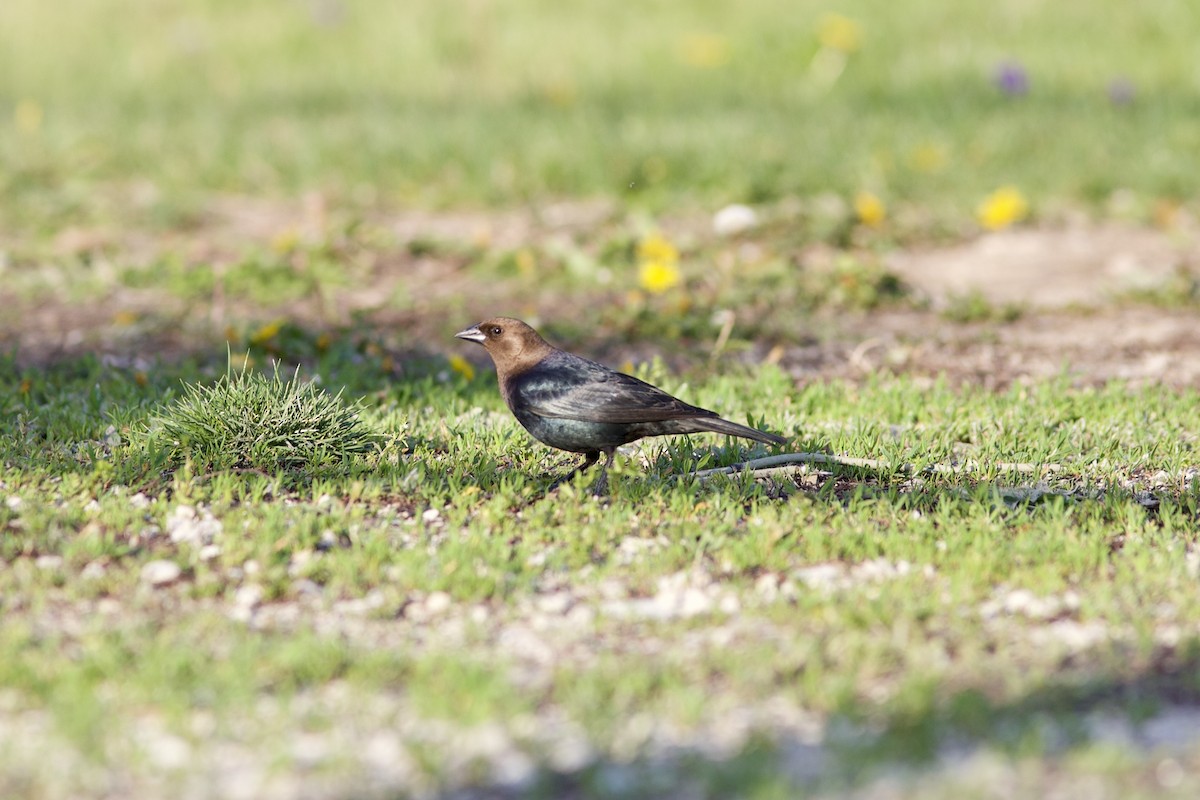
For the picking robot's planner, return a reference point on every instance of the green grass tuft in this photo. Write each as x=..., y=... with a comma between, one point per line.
x=248, y=421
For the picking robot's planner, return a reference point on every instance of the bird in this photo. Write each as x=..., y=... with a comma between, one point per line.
x=571, y=403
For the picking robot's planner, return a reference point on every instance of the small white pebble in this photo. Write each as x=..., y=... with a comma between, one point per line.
x=1076, y=636
x=248, y=596
x=431, y=515
x=108, y=606
x=693, y=601
x=166, y=750
x=570, y=753
x=111, y=437
x=185, y=524
x=385, y=754
x=300, y=560
x=820, y=576
x=734, y=219
x=161, y=572
x=438, y=603
x=556, y=603
x=306, y=588
x=309, y=750
x=13, y=502
x=729, y=604
x=209, y=552
x=361, y=606
x=767, y=585
x=245, y=600
x=48, y=562
x=581, y=617
x=513, y=770
x=1169, y=773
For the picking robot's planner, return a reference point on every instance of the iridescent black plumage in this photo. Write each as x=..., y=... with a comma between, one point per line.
x=574, y=404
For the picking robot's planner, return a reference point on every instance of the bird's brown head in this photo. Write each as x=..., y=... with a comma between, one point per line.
x=513, y=345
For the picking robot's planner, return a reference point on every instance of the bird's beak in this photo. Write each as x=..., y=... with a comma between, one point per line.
x=472, y=334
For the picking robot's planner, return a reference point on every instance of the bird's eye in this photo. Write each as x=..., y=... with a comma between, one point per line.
x=495, y=330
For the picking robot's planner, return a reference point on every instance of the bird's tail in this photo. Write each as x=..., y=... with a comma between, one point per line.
x=718, y=425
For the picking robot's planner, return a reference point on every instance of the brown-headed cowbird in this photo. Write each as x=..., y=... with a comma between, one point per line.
x=575, y=404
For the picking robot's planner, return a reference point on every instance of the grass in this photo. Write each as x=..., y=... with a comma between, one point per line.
x=904, y=653
x=389, y=602
x=246, y=421
x=428, y=105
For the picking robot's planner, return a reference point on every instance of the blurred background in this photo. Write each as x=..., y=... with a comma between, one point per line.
x=185, y=172
x=915, y=231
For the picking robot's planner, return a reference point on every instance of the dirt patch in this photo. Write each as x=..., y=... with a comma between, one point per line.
x=1074, y=284
x=1138, y=344
x=1085, y=265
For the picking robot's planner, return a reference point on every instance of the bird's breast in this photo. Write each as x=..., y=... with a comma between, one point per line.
x=575, y=435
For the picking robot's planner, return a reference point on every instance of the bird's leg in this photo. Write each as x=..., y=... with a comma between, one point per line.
x=600, y=487
x=588, y=459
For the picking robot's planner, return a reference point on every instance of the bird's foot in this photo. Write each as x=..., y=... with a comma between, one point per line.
x=560, y=480
x=600, y=487
x=589, y=459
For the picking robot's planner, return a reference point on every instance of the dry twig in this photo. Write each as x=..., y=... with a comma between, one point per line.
x=789, y=462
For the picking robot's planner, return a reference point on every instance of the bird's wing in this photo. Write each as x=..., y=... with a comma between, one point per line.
x=569, y=387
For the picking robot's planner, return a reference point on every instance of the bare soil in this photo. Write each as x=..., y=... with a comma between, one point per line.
x=1080, y=289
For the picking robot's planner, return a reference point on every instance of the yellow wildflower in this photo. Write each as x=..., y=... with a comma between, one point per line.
x=657, y=277
x=266, y=332
x=656, y=248
x=124, y=318
x=928, y=157
x=141, y=378
x=1166, y=213
x=704, y=50
x=654, y=169
x=28, y=115
x=560, y=92
x=526, y=262
x=462, y=367
x=870, y=209
x=26, y=385
x=836, y=32
x=1002, y=208
x=323, y=341
x=285, y=241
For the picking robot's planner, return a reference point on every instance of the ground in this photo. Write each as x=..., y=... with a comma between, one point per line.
x=1037, y=301
x=950, y=251
x=389, y=688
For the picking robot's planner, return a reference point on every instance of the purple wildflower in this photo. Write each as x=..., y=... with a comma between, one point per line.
x=1011, y=78
x=1121, y=91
